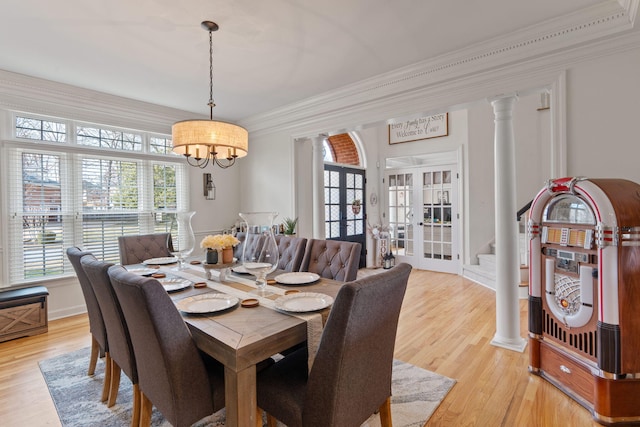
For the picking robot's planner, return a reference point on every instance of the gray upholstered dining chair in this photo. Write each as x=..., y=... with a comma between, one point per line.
x=174, y=376
x=254, y=244
x=97, y=329
x=332, y=259
x=140, y=247
x=291, y=251
x=237, y=251
x=121, y=354
x=351, y=375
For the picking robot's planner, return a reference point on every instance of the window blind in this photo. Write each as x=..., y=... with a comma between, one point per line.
x=62, y=199
x=39, y=216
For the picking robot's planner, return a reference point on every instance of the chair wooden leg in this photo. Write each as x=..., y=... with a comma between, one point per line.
x=271, y=421
x=135, y=416
x=259, y=418
x=115, y=383
x=145, y=410
x=95, y=351
x=385, y=413
x=107, y=377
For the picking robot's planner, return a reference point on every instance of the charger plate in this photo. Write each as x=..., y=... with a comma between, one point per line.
x=142, y=271
x=206, y=303
x=161, y=260
x=174, y=284
x=240, y=269
x=302, y=302
x=297, y=278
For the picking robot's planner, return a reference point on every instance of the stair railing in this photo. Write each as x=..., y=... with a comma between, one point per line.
x=522, y=242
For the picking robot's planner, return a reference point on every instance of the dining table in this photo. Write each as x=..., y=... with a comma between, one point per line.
x=252, y=328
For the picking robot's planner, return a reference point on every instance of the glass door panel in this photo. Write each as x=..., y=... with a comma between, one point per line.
x=401, y=213
x=437, y=220
x=344, y=219
x=434, y=191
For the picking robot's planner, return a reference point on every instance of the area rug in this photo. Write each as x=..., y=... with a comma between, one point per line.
x=416, y=394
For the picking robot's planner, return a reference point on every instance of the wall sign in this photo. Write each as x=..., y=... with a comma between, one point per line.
x=421, y=128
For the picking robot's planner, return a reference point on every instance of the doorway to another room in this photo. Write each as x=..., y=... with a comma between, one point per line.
x=344, y=191
x=423, y=216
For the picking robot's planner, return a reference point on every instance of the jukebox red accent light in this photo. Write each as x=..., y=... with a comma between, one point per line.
x=584, y=330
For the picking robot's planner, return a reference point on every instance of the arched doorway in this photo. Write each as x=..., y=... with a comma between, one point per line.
x=344, y=192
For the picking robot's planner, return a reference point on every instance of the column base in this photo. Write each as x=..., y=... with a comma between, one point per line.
x=519, y=344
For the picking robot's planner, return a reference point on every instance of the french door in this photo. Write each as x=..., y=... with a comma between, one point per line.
x=423, y=217
x=344, y=190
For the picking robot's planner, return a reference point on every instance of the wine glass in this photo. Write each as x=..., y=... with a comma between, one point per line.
x=260, y=254
x=181, y=240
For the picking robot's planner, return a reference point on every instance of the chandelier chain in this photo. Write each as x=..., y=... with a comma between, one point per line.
x=211, y=103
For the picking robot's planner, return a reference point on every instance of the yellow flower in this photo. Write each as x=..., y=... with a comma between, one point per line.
x=219, y=241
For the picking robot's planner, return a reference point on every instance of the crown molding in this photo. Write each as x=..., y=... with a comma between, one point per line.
x=19, y=92
x=545, y=48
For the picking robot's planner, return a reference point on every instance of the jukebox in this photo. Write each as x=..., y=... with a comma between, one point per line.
x=584, y=293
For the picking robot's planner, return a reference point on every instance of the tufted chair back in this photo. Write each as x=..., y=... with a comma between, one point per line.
x=332, y=259
x=291, y=251
x=137, y=248
x=254, y=244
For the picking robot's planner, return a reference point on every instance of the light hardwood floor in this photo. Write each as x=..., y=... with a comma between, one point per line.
x=446, y=326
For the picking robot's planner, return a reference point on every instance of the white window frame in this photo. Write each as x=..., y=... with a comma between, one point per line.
x=71, y=154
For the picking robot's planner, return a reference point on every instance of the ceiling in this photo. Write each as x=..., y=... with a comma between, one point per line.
x=267, y=54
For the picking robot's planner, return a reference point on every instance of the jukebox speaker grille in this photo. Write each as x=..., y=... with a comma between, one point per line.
x=584, y=343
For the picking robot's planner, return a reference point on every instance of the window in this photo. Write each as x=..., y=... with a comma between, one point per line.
x=84, y=197
x=43, y=130
x=160, y=145
x=327, y=152
x=105, y=138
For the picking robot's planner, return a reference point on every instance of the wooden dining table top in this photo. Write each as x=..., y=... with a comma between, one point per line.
x=241, y=337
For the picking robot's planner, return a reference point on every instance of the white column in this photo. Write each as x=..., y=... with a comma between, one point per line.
x=318, y=187
x=507, y=259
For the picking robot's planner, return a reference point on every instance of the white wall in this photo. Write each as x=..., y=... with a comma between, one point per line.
x=480, y=192
x=531, y=129
x=266, y=177
x=214, y=216
x=603, y=114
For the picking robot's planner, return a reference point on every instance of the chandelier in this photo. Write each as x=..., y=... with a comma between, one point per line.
x=204, y=141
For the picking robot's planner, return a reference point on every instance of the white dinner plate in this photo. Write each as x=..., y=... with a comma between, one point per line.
x=174, y=284
x=160, y=261
x=296, y=278
x=303, y=301
x=240, y=269
x=206, y=303
x=142, y=271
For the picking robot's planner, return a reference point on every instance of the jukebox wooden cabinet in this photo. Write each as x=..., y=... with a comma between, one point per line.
x=584, y=293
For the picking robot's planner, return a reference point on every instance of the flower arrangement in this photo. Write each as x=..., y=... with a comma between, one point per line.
x=379, y=231
x=219, y=241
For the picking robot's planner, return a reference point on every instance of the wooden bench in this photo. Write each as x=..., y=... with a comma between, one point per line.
x=23, y=312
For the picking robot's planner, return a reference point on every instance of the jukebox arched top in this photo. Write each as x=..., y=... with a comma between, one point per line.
x=568, y=208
